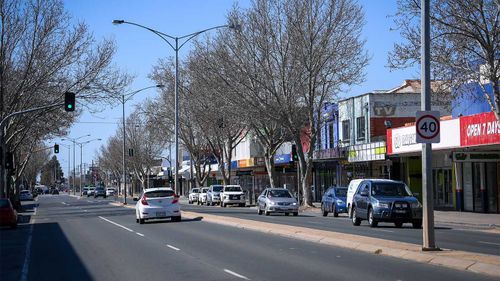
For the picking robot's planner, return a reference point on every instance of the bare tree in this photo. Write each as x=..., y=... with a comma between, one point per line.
x=41, y=57
x=110, y=159
x=465, y=44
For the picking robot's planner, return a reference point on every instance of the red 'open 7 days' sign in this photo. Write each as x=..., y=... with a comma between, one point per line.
x=479, y=129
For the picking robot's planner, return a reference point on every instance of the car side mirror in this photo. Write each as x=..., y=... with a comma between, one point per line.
x=136, y=199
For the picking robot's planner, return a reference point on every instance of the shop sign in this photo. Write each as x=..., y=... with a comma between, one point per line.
x=404, y=139
x=244, y=173
x=476, y=157
x=367, y=152
x=479, y=129
x=282, y=159
x=245, y=163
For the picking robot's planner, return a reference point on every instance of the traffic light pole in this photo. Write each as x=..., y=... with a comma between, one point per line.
x=3, y=142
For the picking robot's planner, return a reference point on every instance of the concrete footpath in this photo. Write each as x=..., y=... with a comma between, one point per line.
x=461, y=260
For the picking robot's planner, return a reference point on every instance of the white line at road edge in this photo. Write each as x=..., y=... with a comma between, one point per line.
x=384, y=230
x=140, y=234
x=490, y=243
x=64, y=203
x=24, y=272
x=172, y=247
x=235, y=274
x=126, y=228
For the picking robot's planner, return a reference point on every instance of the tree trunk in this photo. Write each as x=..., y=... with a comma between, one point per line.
x=269, y=161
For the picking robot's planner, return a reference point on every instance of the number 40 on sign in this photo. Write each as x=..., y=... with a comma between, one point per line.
x=428, y=127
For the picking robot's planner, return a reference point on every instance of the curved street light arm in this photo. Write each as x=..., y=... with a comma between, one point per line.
x=192, y=35
x=158, y=33
x=128, y=96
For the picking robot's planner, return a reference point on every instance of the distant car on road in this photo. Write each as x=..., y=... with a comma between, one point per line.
x=110, y=191
x=90, y=191
x=380, y=200
x=85, y=191
x=8, y=216
x=334, y=201
x=157, y=203
x=202, y=197
x=213, y=194
x=277, y=200
x=232, y=194
x=193, y=195
x=99, y=191
x=25, y=195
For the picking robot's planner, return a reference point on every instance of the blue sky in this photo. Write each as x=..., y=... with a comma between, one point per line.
x=138, y=50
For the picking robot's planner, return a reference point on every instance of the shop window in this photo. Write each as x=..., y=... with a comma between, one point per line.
x=360, y=128
x=330, y=135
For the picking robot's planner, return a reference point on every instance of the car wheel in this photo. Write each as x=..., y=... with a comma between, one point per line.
x=371, y=221
x=266, y=212
x=136, y=220
x=295, y=214
x=190, y=202
x=141, y=221
x=242, y=205
x=13, y=226
x=355, y=220
x=287, y=214
x=176, y=219
x=398, y=224
x=223, y=205
x=417, y=224
x=259, y=211
x=325, y=212
x=334, y=208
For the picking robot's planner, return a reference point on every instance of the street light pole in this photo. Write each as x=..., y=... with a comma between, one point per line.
x=73, y=140
x=176, y=48
x=81, y=144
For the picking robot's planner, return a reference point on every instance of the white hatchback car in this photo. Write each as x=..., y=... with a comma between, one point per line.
x=157, y=203
x=110, y=191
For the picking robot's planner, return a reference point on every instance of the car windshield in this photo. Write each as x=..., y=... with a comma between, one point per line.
x=232, y=188
x=341, y=192
x=99, y=189
x=195, y=190
x=280, y=193
x=218, y=188
x=159, y=193
x=390, y=189
x=204, y=190
x=4, y=203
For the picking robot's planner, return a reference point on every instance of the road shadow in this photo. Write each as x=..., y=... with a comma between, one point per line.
x=170, y=221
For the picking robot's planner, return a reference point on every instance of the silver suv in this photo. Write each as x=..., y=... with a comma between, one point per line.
x=213, y=194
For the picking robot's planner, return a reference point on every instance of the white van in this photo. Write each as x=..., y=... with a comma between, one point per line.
x=351, y=190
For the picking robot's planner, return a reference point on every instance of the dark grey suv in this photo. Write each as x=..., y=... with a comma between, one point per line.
x=379, y=200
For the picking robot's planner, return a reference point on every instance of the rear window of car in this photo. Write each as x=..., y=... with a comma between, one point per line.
x=391, y=189
x=280, y=193
x=4, y=203
x=217, y=188
x=159, y=193
x=24, y=192
x=232, y=188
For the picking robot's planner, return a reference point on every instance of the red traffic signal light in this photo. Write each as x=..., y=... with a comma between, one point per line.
x=69, y=101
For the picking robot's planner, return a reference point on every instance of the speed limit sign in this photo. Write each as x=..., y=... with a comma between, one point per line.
x=428, y=126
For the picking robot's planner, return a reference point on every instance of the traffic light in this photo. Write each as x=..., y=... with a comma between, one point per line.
x=9, y=161
x=69, y=101
x=56, y=148
x=295, y=157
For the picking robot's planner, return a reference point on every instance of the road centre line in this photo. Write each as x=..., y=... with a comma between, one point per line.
x=490, y=243
x=140, y=234
x=384, y=230
x=172, y=247
x=119, y=225
x=235, y=274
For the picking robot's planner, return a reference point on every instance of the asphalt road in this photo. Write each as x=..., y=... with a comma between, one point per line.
x=446, y=237
x=88, y=239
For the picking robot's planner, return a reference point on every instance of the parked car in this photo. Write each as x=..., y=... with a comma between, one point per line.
x=110, y=191
x=193, y=195
x=157, y=203
x=213, y=194
x=351, y=190
x=277, y=200
x=99, y=191
x=85, y=191
x=90, y=191
x=8, y=216
x=202, y=197
x=231, y=195
x=25, y=195
x=54, y=191
x=379, y=200
x=334, y=201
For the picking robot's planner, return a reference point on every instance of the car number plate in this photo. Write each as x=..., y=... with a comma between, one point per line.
x=161, y=214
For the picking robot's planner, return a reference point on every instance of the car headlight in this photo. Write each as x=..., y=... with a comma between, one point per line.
x=272, y=203
x=382, y=204
x=340, y=202
x=415, y=205
x=294, y=204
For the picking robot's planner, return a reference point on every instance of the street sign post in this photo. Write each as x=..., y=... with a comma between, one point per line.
x=428, y=127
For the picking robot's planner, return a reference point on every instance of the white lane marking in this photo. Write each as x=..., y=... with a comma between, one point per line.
x=235, y=274
x=24, y=272
x=140, y=234
x=90, y=201
x=85, y=210
x=384, y=230
x=490, y=243
x=64, y=203
x=126, y=228
x=172, y=247
x=35, y=211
